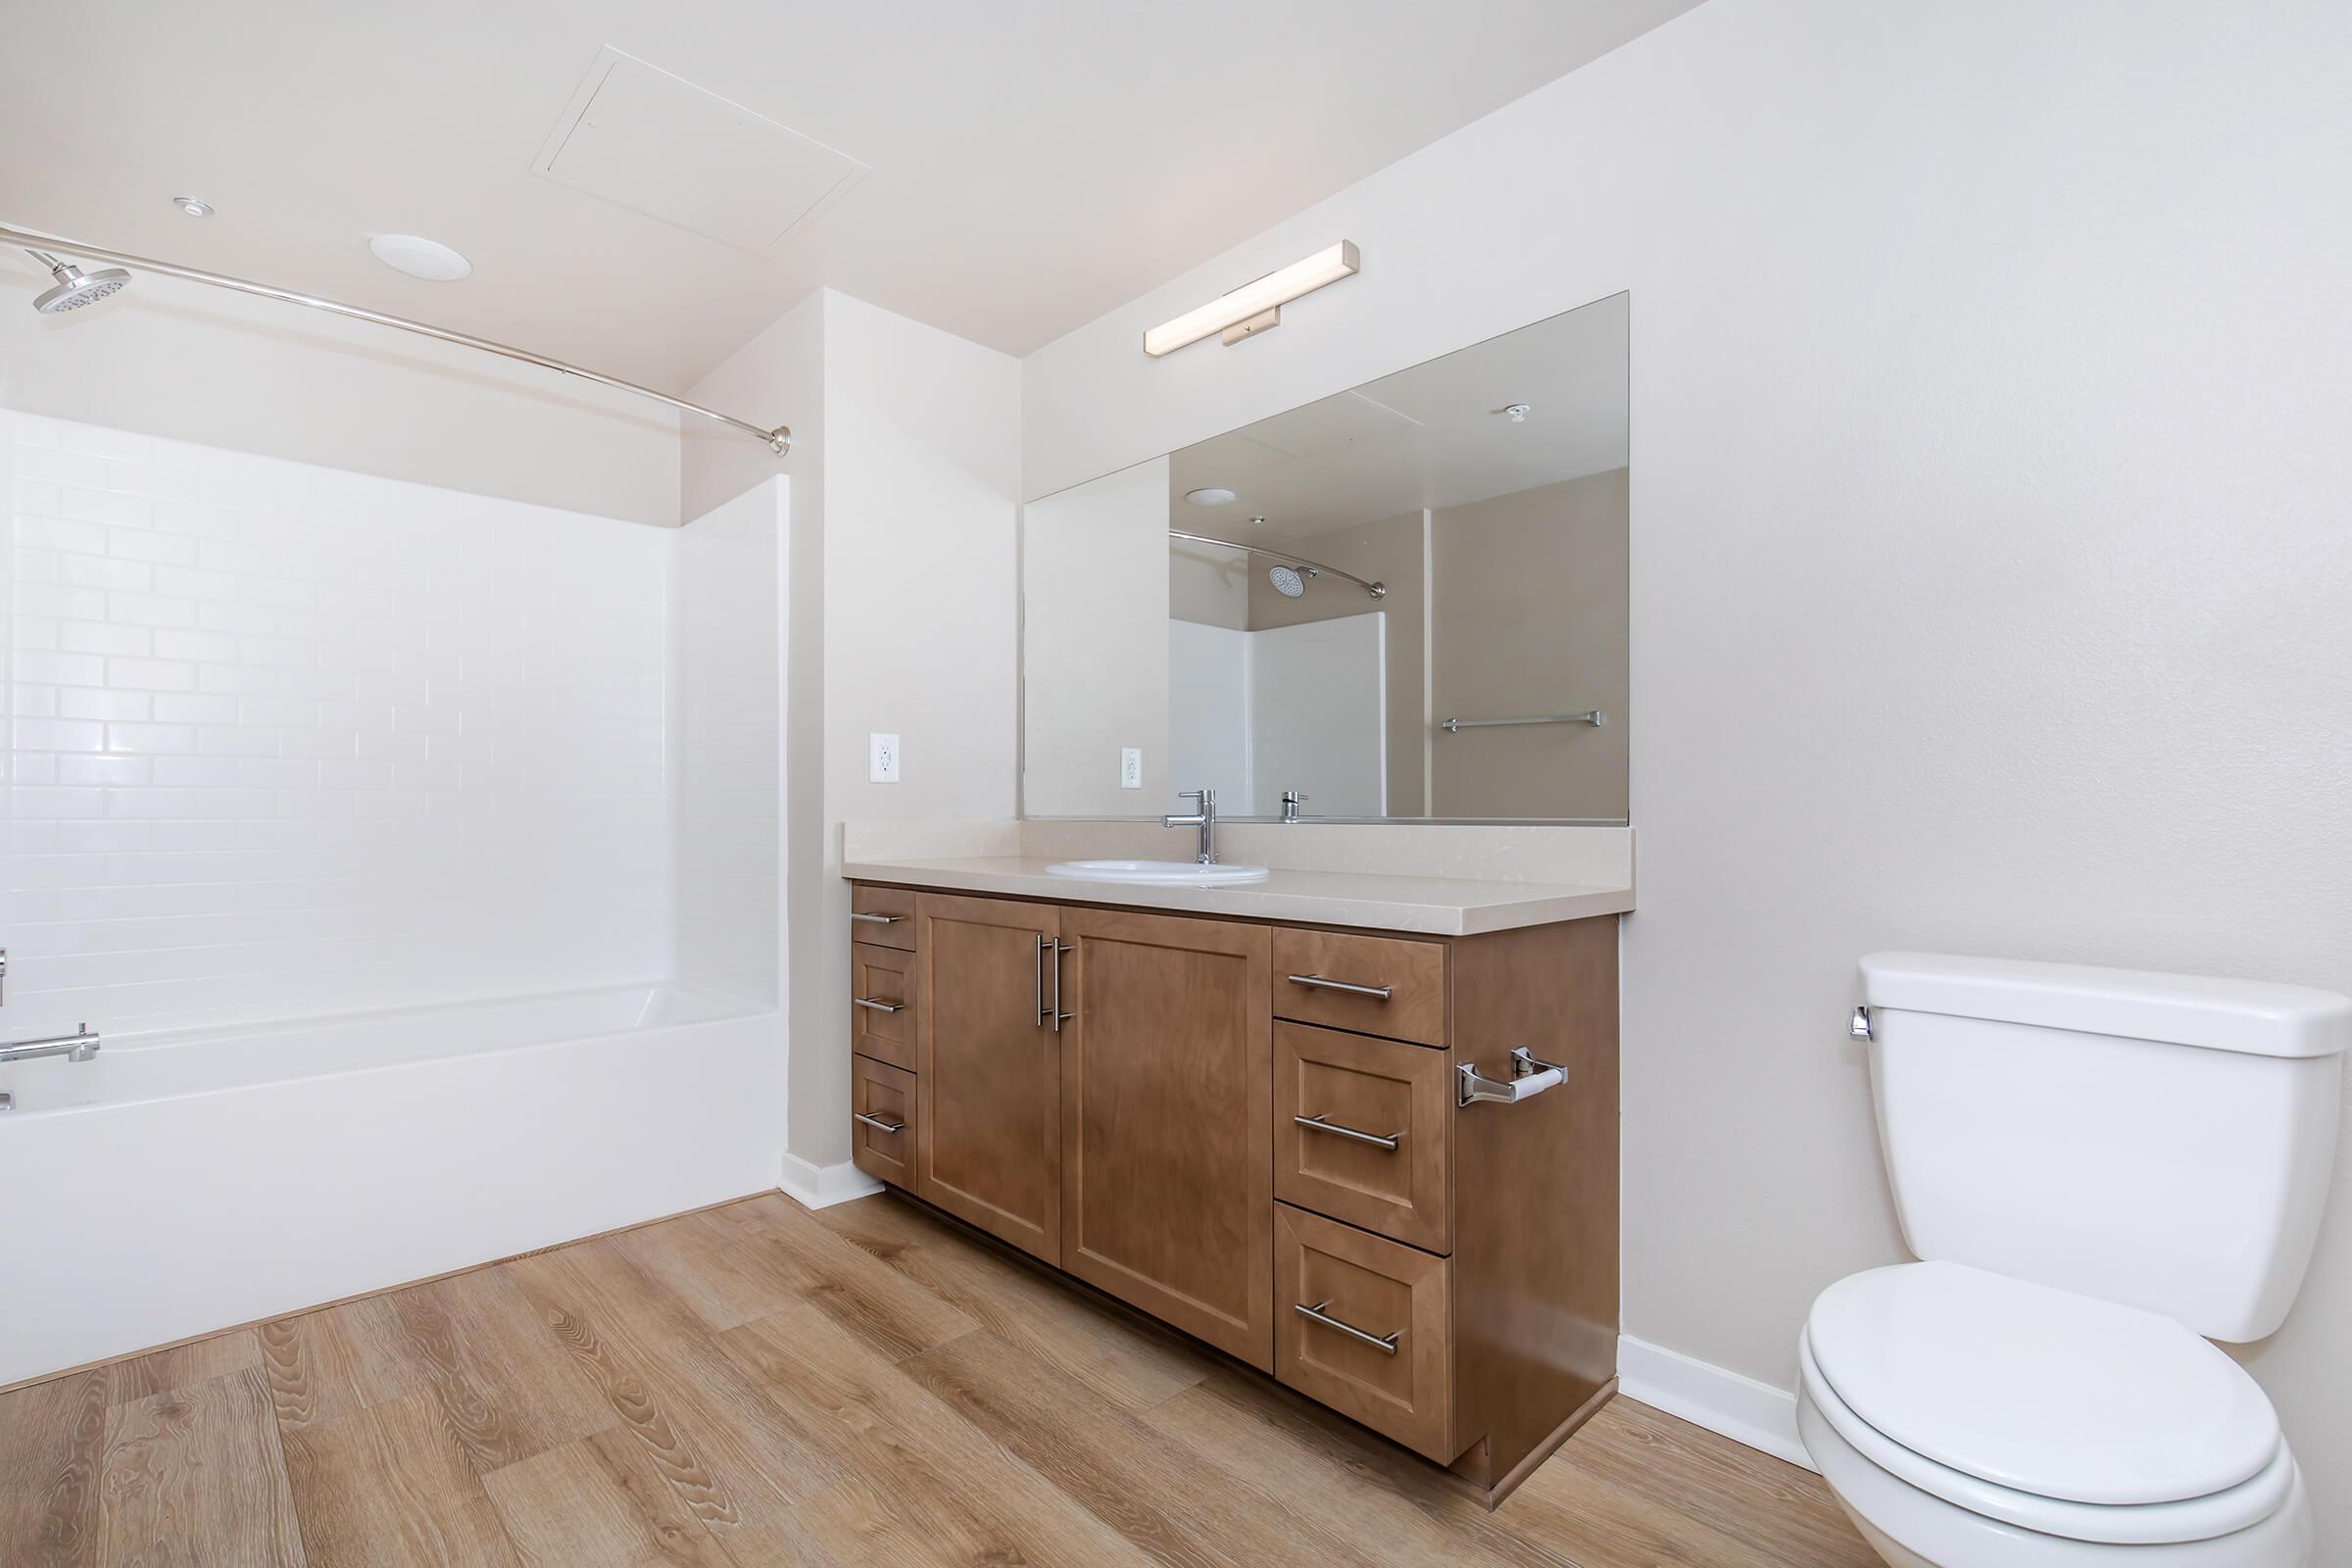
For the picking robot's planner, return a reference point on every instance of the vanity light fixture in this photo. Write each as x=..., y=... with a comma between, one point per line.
x=1257, y=305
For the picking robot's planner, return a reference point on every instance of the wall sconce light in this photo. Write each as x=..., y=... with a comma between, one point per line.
x=1255, y=306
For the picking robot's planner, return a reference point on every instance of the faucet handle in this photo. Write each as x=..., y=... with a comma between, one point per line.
x=1207, y=797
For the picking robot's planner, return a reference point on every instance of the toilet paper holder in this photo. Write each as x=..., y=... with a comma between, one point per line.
x=1529, y=1078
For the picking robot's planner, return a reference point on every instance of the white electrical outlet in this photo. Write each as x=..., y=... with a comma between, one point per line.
x=1131, y=767
x=881, y=758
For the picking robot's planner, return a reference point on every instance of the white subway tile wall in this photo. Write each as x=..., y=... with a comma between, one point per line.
x=287, y=741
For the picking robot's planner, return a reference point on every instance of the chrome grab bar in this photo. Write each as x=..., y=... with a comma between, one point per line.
x=878, y=1006
x=1380, y=993
x=877, y=920
x=1529, y=1078
x=1591, y=715
x=1385, y=1344
x=79, y=1046
x=876, y=1121
x=1377, y=1141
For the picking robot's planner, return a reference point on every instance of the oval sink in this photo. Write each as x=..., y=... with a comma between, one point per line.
x=1165, y=873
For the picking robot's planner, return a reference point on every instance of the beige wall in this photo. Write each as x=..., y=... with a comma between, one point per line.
x=1988, y=558
x=1392, y=551
x=902, y=556
x=1206, y=584
x=1528, y=616
x=191, y=363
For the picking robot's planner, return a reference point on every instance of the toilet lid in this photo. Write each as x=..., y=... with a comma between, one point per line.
x=2039, y=1390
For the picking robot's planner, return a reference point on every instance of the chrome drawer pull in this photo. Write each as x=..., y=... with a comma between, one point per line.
x=878, y=1006
x=1379, y=993
x=1385, y=1344
x=1388, y=1143
x=877, y=920
x=1529, y=1078
x=876, y=1121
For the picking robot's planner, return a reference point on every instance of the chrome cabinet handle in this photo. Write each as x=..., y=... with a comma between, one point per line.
x=1529, y=1078
x=876, y=1121
x=1042, y=944
x=1060, y=1017
x=1385, y=1344
x=1388, y=1142
x=877, y=920
x=878, y=1006
x=1380, y=993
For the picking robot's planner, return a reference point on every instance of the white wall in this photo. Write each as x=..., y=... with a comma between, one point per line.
x=911, y=437
x=183, y=360
x=1318, y=716
x=726, y=730
x=1990, y=381
x=1208, y=719
x=287, y=740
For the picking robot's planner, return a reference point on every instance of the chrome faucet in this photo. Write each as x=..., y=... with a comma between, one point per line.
x=1205, y=819
x=1291, y=799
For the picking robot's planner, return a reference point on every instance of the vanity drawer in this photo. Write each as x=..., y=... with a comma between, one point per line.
x=1374, y=985
x=882, y=1004
x=883, y=916
x=1380, y=1349
x=882, y=1122
x=1376, y=1155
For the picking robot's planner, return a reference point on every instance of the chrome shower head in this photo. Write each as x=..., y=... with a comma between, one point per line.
x=76, y=287
x=1287, y=581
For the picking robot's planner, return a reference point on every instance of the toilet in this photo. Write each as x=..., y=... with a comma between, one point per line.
x=2102, y=1172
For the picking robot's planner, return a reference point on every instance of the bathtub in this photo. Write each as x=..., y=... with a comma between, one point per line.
x=186, y=1181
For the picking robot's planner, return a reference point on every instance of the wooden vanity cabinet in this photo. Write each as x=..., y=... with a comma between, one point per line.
x=988, y=1067
x=1253, y=1132
x=1168, y=1187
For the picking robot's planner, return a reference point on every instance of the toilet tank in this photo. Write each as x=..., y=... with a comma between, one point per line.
x=2163, y=1140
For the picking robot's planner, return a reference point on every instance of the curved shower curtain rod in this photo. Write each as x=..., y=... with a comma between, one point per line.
x=779, y=439
x=1378, y=590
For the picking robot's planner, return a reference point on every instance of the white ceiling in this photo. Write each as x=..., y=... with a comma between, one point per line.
x=1035, y=163
x=1435, y=435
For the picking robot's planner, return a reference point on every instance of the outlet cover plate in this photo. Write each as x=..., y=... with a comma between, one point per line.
x=1131, y=767
x=881, y=758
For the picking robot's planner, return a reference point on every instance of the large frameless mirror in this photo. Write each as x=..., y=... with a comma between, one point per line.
x=1406, y=600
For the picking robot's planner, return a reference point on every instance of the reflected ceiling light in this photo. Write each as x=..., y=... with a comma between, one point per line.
x=420, y=257
x=192, y=205
x=1210, y=496
x=1519, y=413
x=1255, y=306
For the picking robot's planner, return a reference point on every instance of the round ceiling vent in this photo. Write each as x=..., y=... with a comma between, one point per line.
x=420, y=257
x=1209, y=496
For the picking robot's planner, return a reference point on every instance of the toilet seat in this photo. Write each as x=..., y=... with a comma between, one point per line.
x=2047, y=1411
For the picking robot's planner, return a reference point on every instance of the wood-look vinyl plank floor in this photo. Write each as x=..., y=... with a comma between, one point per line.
x=755, y=1385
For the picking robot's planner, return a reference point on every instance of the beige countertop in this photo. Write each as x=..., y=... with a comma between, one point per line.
x=1450, y=906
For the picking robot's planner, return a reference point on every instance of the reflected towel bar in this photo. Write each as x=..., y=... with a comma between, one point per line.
x=1592, y=716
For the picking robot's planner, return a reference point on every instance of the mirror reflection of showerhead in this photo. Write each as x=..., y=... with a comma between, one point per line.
x=1286, y=582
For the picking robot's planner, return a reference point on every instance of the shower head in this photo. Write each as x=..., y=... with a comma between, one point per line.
x=1287, y=581
x=76, y=287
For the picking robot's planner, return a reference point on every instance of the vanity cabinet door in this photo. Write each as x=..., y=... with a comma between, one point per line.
x=988, y=1067
x=1166, y=1121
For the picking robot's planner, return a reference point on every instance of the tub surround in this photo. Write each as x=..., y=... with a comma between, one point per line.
x=1428, y=879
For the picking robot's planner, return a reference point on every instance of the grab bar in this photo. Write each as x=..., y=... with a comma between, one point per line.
x=1591, y=715
x=79, y=1046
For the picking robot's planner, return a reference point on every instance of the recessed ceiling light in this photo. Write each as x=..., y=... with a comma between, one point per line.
x=1519, y=413
x=420, y=257
x=192, y=206
x=1210, y=496
x=1259, y=519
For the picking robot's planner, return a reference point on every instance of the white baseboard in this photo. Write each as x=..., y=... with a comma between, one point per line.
x=823, y=1186
x=1739, y=1407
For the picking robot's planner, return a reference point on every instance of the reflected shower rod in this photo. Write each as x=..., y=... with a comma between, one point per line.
x=779, y=439
x=1378, y=590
